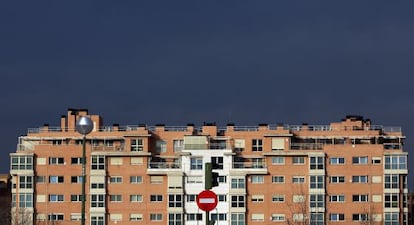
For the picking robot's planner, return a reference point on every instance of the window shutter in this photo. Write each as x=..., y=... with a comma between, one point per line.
x=278, y=143
x=116, y=160
x=137, y=160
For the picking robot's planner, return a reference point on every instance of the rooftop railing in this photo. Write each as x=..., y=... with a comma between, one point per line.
x=386, y=129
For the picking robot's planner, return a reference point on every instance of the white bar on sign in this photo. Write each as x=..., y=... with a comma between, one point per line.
x=207, y=200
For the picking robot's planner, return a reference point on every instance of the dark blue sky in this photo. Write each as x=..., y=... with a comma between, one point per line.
x=179, y=62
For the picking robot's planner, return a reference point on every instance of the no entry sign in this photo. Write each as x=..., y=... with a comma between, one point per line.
x=207, y=200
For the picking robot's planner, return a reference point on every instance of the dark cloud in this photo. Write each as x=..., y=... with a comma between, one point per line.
x=171, y=62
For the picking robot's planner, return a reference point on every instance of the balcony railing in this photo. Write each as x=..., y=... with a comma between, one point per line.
x=306, y=146
x=392, y=146
x=164, y=165
x=224, y=129
x=249, y=165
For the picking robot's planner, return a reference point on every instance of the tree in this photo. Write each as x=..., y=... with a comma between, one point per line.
x=21, y=216
x=299, y=207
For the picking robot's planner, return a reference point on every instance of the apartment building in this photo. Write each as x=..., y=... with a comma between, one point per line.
x=349, y=171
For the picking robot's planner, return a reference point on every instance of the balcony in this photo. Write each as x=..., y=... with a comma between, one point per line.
x=392, y=146
x=249, y=165
x=306, y=146
x=163, y=166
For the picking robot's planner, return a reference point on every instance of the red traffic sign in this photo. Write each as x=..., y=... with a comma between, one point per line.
x=207, y=200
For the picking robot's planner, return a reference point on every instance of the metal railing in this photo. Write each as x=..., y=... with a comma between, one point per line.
x=306, y=146
x=224, y=129
x=249, y=165
x=164, y=165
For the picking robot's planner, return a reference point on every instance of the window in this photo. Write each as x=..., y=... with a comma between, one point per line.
x=97, y=185
x=222, y=198
x=238, y=219
x=317, y=201
x=391, y=218
x=237, y=201
x=298, y=179
x=391, y=200
x=56, y=161
x=337, y=198
x=218, y=216
x=75, y=217
x=97, y=200
x=257, y=217
x=376, y=160
x=194, y=179
x=317, y=218
x=135, y=217
x=76, y=179
x=278, y=143
x=98, y=162
x=237, y=183
x=160, y=146
x=194, y=216
x=56, y=142
x=257, y=198
x=75, y=198
x=40, y=179
x=25, y=200
x=298, y=160
x=156, y=179
x=257, y=179
x=115, y=198
x=196, y=163
x=55, y=217
x=21, y=162
x=360, y=160
x=278, y=198
x=175, y=219
x=178, y=145
x=56, y=198
x=317, y=182
x=316, y=163
x=115, y=180
x=156, y=217
x=217, y=162
x=56, y=179
x=299, y=198
x=222, y=179
x=337, y=161
x=191, y=198
x=395, y=162
x=391, y=181
x=278, y=217
x=359, y=179
x=278, y=179
x=137, y=160
x=239, y=145
x=108, y=143
x=137, y=145
x=336, y=217
x=278, y=160
x=257, y=145
x=337, y=179
x=135, y=198
x=360, y=198
x=156, y=198
x=359, y=217
x=258, y=163
x=97, y=220
x=26, y=182
x=135, y=179
x=175, y=200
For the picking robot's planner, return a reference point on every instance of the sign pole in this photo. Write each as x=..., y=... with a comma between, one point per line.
x=207, y=218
